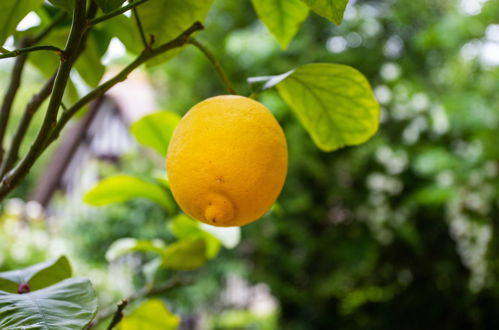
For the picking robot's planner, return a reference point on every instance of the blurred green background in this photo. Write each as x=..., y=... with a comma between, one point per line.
x=398, y=233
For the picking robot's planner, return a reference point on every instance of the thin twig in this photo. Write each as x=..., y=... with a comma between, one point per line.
x=25, y=50
x=118, y=316
x=145, y=292
x=10, y=95
x=78, y=28
x=45, y=138
x=218, y=67
x=139, y=26
x=116, y=12
x=30, y=110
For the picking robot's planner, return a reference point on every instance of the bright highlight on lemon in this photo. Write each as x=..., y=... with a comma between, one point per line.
x=227, y=161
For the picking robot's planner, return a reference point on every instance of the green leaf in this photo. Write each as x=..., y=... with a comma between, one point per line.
x=66, y=5
x=109, y=5
x=334, y=102
x=125, y=30
x=262, y=83
x=155, y=130
x=124, y=246
x=70, y=304
x=282, y=17
x=331, y=9
x=186, y=254
x=88, y=65
x=11, y=13
x=183, y=227
x=38, y=276
x=122, y=188
x=228, y=236
x=151, y=315
x=166, y=19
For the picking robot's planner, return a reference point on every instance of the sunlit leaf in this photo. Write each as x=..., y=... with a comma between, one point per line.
x=122, y=188
x=183, y=227
x=11, y=13
x=38, y=276
x=124, y=246
x=70, y=304
x=282, y=17
x=228, y=236
x=185, y=254
x=164, y=20
x=151, y=315
x=155, y=130
x=331, y=9
x=334, y=102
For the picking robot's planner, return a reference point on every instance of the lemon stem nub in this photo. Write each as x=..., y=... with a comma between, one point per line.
x=219, y=209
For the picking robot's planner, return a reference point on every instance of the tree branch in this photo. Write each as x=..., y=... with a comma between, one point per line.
x=117, y=12
x=78, y=28
x=46, y=137
x=145, y=292
x=139, y=26
x=118, y=316
x=30, y=110
x=218, y=67
x=10, y=95
x=25, y=50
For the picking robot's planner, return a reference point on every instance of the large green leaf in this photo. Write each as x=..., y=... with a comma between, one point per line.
x=155, y=130
x=334, y=102
x=166, y=19
x=109, y=5
x=282, y=17
x=151, y=315
x=331, y=9
x=186, y=254
x=121, y=188
x=68, y=305
x=38, y=276
x=125, y=30
x=11, y=13
x=66, y=5
x=124, y=246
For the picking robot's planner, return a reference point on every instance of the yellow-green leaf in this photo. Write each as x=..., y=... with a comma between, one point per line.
x=186, y=254
x=155, y=130
x=11, y=13
x=331, y=9
x=151, y=315
x=334, y=102
x=282, y=17
x=121, y=188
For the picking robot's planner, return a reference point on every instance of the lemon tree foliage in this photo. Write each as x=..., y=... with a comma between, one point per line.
x=49, y=297
x=66, y=5
x=124, y=246
x=334, y=102
x=155, y=130
x=109, y=5
x=38, y=276
x=11, y=13
x=331, y=9
x=121, y=188
x=70, y=304
x=163, y=20
x=151, y=315
x=282, y=17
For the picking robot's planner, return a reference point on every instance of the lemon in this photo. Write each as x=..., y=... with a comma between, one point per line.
x=227, y=161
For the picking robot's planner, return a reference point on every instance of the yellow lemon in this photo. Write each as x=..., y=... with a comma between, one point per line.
x=227, y=161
